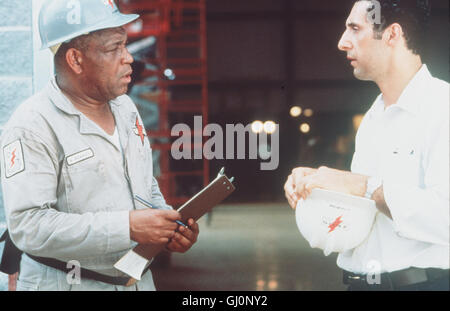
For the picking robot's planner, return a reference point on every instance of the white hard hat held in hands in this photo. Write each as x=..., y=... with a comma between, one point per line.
x=333, y=221
x=63, y=20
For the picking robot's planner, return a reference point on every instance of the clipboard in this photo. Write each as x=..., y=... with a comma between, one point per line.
x=139, y=258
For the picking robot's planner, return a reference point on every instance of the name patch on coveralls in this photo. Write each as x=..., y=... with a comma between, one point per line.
x=80, y=156
x=13, y=158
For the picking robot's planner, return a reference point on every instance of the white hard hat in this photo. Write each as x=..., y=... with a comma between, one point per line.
x=63, y=20
x=333, y=221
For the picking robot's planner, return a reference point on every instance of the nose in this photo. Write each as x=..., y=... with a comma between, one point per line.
x=127, y=57
x=344, y=43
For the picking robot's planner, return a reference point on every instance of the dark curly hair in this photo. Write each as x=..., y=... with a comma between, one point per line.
x=412, y=15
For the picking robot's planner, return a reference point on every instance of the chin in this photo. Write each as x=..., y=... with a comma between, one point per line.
x=360, y=75
x=121, y=91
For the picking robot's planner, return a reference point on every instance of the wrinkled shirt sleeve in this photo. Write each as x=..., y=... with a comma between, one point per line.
x=157, y=196
x=36, y=225
x=423, y=213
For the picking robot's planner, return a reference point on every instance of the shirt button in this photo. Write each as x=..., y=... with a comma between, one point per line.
x=101, y=168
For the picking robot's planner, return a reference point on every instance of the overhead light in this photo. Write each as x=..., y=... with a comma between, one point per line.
x=169, y=74
x=295, y=111
x=257, y=127
x=305, y=128
x=308, y=112
x=270, y=127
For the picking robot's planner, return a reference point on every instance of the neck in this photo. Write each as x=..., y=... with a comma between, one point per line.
x=81, y=101
x=401, y=71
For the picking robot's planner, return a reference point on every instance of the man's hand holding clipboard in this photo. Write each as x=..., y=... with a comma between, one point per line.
x=137, y=260
x=182, y=240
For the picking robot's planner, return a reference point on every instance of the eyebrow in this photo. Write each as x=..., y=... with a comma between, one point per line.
x=118, y=42
x=353, y=24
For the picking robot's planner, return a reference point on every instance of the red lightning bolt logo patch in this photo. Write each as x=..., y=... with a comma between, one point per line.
x=13, y=157
x=109, y=2
x=335, y=224
x=140, y=130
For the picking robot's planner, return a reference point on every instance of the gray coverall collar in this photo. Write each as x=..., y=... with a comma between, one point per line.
x=87, y=126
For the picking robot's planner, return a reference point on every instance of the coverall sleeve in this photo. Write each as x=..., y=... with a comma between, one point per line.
x=157, y=196
x=35, y=224
x=423, y=213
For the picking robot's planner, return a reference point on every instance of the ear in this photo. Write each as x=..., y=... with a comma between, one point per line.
x=394, y=34
x=74, y=58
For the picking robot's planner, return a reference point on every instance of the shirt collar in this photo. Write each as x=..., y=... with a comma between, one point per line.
x=409, y=99
x=377, y=107
x=62, y=102
x=59, y=99
x=86, y=126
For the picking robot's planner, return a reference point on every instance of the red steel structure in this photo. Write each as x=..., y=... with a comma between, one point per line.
x=180, y=30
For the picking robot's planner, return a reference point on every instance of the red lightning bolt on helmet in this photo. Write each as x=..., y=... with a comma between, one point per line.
x=335, y=224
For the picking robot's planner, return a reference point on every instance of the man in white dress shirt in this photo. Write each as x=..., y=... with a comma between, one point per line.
x=401, y=159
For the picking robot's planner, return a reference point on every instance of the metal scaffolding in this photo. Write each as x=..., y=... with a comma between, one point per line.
x=180, y=89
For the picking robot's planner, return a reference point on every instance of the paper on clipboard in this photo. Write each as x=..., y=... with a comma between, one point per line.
x=136, y=260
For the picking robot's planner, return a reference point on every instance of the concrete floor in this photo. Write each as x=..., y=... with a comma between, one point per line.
x=249, y=247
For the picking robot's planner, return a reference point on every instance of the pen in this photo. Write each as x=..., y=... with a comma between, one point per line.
x=148, y=204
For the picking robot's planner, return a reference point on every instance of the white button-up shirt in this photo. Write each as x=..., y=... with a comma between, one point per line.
x=406, y=145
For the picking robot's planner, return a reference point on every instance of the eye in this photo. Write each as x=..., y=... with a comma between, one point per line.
x=114, y=49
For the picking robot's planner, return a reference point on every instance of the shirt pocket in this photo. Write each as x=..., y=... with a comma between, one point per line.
x=402, y=165
x=85, y=181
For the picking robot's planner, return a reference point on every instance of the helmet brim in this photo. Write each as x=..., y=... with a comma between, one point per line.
x=118, y=20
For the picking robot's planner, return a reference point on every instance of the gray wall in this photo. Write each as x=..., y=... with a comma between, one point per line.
x=16, y=58
x=16, y=68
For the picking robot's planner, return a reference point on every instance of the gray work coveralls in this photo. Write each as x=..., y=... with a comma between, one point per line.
x=68, y=189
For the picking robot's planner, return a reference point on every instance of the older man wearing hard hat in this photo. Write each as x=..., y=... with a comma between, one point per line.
x=74, y=157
